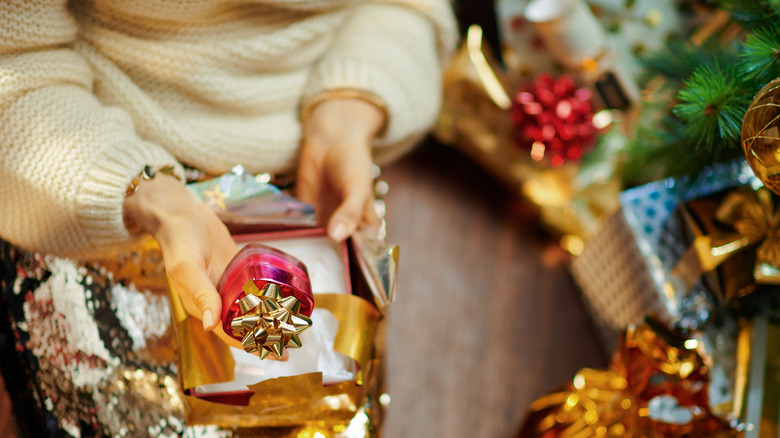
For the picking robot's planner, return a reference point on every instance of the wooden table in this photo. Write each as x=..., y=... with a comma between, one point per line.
x=487, y=318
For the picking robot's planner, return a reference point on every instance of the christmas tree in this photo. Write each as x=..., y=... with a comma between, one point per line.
x=706, y=91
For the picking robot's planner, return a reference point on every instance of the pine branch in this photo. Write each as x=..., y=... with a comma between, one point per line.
x=712, y=103
x=760, y=55
x=716, y=84
x=774, y=5
x=663, y=151
x=678, y=59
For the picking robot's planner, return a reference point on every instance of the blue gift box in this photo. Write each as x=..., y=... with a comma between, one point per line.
x=624, y=271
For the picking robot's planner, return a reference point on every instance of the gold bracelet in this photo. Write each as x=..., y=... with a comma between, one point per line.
x=344, y=93
x=147, y=174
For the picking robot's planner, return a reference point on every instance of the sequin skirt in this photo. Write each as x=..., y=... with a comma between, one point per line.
x=88, y=349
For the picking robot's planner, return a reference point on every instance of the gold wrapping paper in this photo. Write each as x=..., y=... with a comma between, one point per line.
x=358, y=322
x=205, y=359
x=282, y=402
x=758, y=382
x=655, y=387
x=286, y=401
x=474, y=109
x=735, y=242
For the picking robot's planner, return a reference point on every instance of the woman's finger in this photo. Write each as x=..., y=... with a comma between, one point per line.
x=308, y=180
x=370, y=216
x=197, y=289
x=347, y=216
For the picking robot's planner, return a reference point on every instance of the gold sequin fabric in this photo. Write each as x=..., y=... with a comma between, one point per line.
x=87, y=348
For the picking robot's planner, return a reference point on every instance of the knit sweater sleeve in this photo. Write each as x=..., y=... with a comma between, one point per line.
x=394, y=49
x=65, y=159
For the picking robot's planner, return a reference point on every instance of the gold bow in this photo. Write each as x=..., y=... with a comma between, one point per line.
x=269, y=322
x=752, y=215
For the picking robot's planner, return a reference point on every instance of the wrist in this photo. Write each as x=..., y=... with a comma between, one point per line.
x=344, y=114
x=154, y=201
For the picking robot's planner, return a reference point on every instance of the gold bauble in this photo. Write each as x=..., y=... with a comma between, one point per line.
x=761, y=135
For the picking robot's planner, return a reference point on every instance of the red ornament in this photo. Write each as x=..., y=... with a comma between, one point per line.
x=553, y=119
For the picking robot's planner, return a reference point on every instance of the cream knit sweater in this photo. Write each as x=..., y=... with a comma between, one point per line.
x=92, y=90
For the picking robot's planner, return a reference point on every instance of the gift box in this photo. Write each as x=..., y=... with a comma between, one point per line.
x=333, y=297
x=324, y=384
x=759, y=377
x=476, y=118
x=698, y=253
x=625, y=270
x=732, y=243
x=658, y=385
x=664, y=382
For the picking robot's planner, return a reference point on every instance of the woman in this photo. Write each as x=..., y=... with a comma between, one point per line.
x=92, y=92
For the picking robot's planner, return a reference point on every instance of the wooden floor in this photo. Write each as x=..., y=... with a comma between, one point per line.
x=486, y=318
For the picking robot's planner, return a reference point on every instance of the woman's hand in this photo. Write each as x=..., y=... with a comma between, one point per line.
x=334, y=173
x=196, y=245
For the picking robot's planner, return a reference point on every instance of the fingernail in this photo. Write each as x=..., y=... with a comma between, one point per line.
x=338, y=232
x=208, y=319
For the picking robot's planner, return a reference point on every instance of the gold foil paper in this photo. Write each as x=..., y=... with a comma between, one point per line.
x=654, y=388
x=759, y=384
x=358, y=322
x=470, y=116
x=286, y=401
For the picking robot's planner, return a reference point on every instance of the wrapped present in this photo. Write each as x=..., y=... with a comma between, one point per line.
x=657, y=386
x=290, y=292
x=733, y=242
x=759, y=377
x=570, y=190
x=625, y=267
x=333, y=362
x=664, y=383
